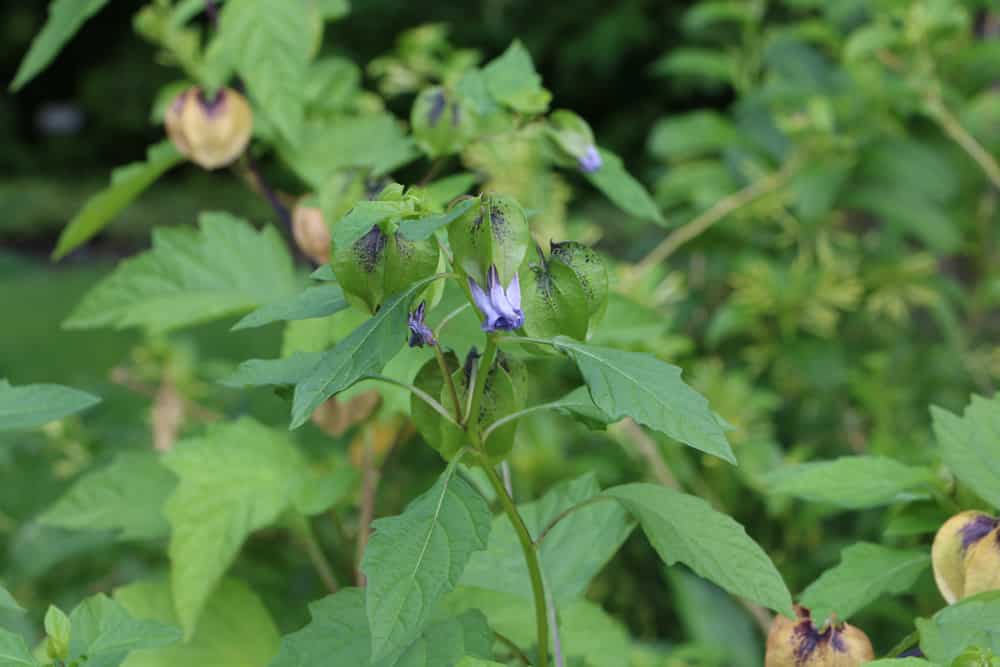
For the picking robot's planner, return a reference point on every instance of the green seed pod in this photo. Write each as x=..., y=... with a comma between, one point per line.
x=952, y=545
x=798, y=643
x=565, y=294
x=982, y=565
x=493, y=233
x=442, y=122
x=438, y=433
x=382, y=263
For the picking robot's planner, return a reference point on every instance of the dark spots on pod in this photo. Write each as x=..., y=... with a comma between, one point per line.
x=369, y=248
x=438, y=103
x=976, y=530
x=212, y=106
x=498, y=223
x=404, y=248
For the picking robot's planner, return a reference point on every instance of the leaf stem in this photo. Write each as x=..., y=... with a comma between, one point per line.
x=521, y=340
x=419, y=393
x=303, y=531
x=448, y=318
x=953, y=127
x=531, y=559
x=565, y=513
x=448, y=381
x=517, y=415
x=514, y=648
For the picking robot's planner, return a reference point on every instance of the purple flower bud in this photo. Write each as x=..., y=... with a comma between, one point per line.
x=420, y=333
x=500, y=307
x=591, y=160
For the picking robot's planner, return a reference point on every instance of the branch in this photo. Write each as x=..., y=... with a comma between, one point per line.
x=419, y=393
x=952, y=126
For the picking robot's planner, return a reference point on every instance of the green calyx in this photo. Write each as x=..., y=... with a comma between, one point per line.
x=570, y=134
x=494, y=233
x=443, y=123
x=565, y=293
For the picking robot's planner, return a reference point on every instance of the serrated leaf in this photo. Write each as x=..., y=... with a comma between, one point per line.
x=317, y=301
x=33, y=405
x=650, y=391
x=127, y=183
x=512, y=80
x=104, y=632
x=237, y=478
x=126, y=497
x=274, y=372
x=413, y=559
x=423, y=228
x=235, y=629
x=572, y=552
x=64, y=20
x=339, y=628
x=13, y=651
x=267, y=41
x=189, y=277
x=683, y=528
x=865, y=572
x=851, y=482
x=970, y=445
x=973, y=621
x=365, y=351
x=7, y=601
x=622, y=189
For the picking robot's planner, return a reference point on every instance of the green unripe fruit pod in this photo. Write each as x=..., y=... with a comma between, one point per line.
x=443, y=124
x=951, y=547
x=434, y=428
x=493, y=233
x=566, y=293
x=570, y=133
x=982, y=565
x=382, y=263
x=798, y=643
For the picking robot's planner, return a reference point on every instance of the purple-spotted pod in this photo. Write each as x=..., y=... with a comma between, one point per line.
x=966, y=555
x=211, y=131
x=799, y=643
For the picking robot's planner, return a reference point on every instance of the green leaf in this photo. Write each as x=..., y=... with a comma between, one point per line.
x=104, y=632
x=58, y=632
x=478, y=662
x=237, y=478
x=621, y=188
x=318, y=493
x=443, y=190
x=850, y=482
x=691, y=134
x=127, y=183
x=631, y=384
x=512, y=80
x=64, y=20
x=34, y=405
x=974, y=621
x=364, y=352
x=360, y=219
x=339, y=628
x=579, y=404
x=126, y=496
x=189, y=277
x=424, y=228
x=278, y=372
x=317, y=301
x=865, y=572
x=415, y=558
x=13, y=651
x=267, y=41
x=572, y=552
x=970, y=445
x=7, y=601
x=900, y=662
x=683, y=528
x=235, y=629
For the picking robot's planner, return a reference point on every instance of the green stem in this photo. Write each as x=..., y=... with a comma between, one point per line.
x=449, y=382
x=472, y=416
x=302, y=529
x=419, y=393
x=531, y=559
x=517, y=415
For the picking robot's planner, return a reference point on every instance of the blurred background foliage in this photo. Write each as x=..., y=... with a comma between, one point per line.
x=835, y=161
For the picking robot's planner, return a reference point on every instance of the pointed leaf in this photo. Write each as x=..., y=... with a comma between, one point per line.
x=424, y=228
x=970, y=445
x=415, y=558
x=64, y=20
x=865, y=572
x=7, y=601
x=278, y=372
x=512, y=80
x=237, y=478
x=127, y=183
x=631, y=384
x=104, y=632
x=684, y=528
x=225, y=268
x=621, y=188
x=35, y=405
x=318, y=301
x=973, y=621
x=14, y=652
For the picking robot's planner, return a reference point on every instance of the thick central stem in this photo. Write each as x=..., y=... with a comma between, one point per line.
x=531, y=559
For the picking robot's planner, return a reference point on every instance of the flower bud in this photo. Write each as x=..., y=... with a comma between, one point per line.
x=574, y=140
x=494, y=233
x=982, y=565
x=952, y=545
x=382, y=263
x=442, y=123
x=797, y=643
x=312, y=236
x=566, y=293
x=211, y=133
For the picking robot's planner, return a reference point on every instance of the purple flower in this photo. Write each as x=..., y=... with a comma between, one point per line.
x=501, y=307
x=591, y=160
x=420, y=333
